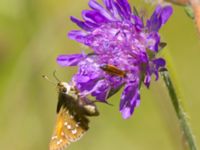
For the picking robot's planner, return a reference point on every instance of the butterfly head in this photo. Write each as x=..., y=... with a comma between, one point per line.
x=67, y=89
x=63, y=87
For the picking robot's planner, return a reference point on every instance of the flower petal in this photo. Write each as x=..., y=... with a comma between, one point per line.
x=159, y=63
x=77, y=35
x=69, y=60
x=153, y=41
x=166, y=13
x=159, y=17
x=94, y=16
x=126, y=7
x=147, y=78
x=108, y=4
x=84, y=83
x=138, y=22
x=154, y=23
x=119, y=13
x=101, y=91
x=80, y=23
x=96, y=6
x=130, y=99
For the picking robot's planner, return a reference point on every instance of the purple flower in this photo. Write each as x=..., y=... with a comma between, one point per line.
x=122, y=44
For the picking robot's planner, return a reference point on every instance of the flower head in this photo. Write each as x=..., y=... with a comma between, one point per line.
x=124, y=51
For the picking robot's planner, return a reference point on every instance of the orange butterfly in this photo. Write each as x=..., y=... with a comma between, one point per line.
x=72, y=112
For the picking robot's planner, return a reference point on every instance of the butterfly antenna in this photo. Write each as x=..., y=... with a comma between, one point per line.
x=54, y=74
x=45, y=77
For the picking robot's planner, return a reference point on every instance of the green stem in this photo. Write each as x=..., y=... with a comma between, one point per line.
x=187, y=133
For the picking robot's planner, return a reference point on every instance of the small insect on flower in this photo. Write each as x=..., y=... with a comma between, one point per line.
x=72, y=112
x=110, y=69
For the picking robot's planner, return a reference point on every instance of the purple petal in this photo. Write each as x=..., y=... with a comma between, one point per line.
x=94, y=16
x=77, y=35
x=147, y=78
x=118, y=11
x=130, y=99
x=166, y=13
x=97, y=88
x=84, y=83
x=159, y=17
x=138, y=22
x=159, y=62
x=91, y=24
x=113, y=8
x=80, y=23
x=153, y=41
x=81, y=78
x=154, y=23
x=101, y=92
x=69, y=60
x=96, y=6
x=126, y=7
x=108, y=4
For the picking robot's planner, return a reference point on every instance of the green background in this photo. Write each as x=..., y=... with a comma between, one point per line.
x=33, y=33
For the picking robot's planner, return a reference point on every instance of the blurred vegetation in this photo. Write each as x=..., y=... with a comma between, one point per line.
x=33, y=33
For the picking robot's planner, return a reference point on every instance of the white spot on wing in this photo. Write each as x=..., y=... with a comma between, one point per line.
x=59, y=142
x=54, y=137
x=74, y=131
x=69, y=126
x=66, y=123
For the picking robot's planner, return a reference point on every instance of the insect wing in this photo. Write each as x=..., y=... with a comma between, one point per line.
x=59, y=140
x=67, y=129
x=75, y=126
x=113, y=70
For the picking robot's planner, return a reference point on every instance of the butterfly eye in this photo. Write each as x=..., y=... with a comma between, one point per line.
x=64, y=90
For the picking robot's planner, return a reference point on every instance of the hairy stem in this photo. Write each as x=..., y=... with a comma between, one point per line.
x=187, y=133
x=178, y=2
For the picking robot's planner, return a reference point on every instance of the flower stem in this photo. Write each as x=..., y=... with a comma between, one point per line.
x=187, y=132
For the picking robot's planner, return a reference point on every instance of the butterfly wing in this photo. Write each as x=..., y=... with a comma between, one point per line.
x=58, y=140
x=69, y=128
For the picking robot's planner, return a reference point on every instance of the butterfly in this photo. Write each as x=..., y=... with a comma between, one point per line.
x=113, y=70
x=72, y=112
